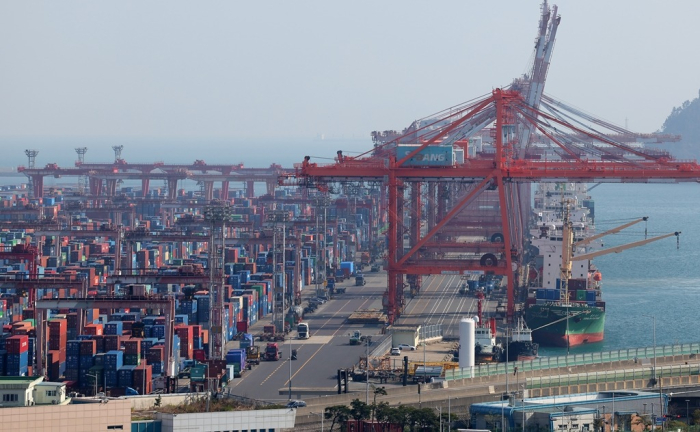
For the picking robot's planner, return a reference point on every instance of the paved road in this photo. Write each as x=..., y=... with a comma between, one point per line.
x=319, y=357
x=439, y=302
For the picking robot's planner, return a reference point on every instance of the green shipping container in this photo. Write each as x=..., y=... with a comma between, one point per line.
x=581, y=295
x=198, y=373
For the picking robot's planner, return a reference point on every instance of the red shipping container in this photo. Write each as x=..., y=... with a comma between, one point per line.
x=88, y=347
x=186, y=341
x=132, y=346
x=242, y=326
x=17, y=344
x=93, y=330
x=143, y=375
x=199, y=355
x=156, y=354
x=61, y=325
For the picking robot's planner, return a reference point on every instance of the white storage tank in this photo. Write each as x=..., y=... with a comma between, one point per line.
x=466, y=343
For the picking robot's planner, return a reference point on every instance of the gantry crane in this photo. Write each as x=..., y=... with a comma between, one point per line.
x=424, y=181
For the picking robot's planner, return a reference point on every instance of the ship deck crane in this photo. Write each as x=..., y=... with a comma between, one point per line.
x=615, y=230
x=568, y=248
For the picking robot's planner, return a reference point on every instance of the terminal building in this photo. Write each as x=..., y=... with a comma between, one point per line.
x=608, y=410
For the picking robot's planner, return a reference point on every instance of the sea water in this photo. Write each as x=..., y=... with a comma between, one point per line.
x=658, y=283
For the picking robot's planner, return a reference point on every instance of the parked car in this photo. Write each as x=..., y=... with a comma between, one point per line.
x=395, y=351
x=296, y=404
x=406, y=346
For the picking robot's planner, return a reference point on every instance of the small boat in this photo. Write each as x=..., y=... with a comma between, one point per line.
x=521, y=347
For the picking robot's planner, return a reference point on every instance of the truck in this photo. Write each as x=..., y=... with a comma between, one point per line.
x=253, y=355
x=365, y=258
x=303, y=330
x=356, y=338
x=272, y=352
x=360, y=280
x=237, y=357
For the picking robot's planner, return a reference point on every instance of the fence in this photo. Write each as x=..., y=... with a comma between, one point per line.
x=381, y=348
x=429, y=331
x=544, y=363
x=611, y=376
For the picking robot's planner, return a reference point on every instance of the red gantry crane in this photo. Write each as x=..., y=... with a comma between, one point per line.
x=478, y=159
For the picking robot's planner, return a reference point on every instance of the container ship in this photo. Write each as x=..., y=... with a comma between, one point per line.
x=565, y=307
x=573, y=312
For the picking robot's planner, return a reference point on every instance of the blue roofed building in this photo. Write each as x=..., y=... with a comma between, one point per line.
x=625, y=409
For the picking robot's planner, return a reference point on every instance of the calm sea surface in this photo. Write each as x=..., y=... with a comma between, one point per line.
x=658, y=279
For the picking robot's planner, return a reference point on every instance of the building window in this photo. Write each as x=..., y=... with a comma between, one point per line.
x=50, y=393
x=13, y=397
x=117, y=427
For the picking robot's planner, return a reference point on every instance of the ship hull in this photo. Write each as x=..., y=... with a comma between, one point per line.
x=585, y=324
x=522, y=351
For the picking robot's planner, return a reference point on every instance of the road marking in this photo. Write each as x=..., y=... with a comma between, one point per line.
x=319, y=349
x=356, y=289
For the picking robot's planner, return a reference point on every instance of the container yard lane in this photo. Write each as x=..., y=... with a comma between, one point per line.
x=439, y=302
x=320, y=356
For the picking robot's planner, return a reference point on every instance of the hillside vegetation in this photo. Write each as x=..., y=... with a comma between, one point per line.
x=684, y=121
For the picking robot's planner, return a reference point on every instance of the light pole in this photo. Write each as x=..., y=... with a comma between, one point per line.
x=653, y=318
x=687, y=413
x=367, y=342
x=95, y=378
x=523, y=406
x=276, y=217
x=322, y=414
x=321, y=201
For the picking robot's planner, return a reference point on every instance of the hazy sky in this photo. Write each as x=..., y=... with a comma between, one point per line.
x=97, y=73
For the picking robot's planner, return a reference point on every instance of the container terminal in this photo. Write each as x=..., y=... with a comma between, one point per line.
x=127, y=290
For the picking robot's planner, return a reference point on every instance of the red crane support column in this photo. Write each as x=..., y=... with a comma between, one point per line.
x=208, y=190
x=111, y=187
x=145, y=184
x=250, y=189
x=224, y=190
x=38, y=183
x=172, y=188
x=502, y=114
x=393, y=276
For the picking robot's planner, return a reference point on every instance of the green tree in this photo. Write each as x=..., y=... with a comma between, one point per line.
x=401, y=415
x=448, y=419
x=338, y=414
x=424, y=419
x=696, y=416
x=359, y=410
x=599, y=424
x=377, y=391
x=384, y=414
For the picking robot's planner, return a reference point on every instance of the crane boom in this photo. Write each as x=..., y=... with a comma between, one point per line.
x=618, y=249
x=615, y=230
